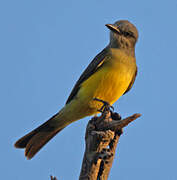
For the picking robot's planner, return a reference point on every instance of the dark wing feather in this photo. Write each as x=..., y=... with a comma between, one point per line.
x=92, y=67
x=132, y=82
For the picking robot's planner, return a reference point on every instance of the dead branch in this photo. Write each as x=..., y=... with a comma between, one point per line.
x=102, y=136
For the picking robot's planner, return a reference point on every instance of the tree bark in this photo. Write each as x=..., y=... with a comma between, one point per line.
x=102, y=136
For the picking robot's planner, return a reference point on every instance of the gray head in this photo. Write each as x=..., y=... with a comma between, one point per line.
x=123, y=34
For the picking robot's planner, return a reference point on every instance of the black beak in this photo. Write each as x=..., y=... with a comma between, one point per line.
x=113, y=28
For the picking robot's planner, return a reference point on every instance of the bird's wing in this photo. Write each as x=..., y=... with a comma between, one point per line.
x=91, y=69
x=132, y=81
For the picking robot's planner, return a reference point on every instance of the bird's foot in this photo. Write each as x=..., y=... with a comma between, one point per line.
x=116, y=116
x=106, y=106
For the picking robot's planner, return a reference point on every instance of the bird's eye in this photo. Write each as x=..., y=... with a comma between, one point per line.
x=125, y=33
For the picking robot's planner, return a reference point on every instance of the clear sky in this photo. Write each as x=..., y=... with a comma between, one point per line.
x=45, y=45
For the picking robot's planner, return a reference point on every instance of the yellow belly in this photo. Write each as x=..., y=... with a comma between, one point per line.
x=108, y=84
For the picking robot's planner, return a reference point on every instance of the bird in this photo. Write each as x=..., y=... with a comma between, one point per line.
x=110, y=75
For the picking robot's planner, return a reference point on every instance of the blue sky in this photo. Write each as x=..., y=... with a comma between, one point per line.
x=45, y=45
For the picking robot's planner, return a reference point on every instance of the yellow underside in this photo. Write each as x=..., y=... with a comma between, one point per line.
x=108, y=84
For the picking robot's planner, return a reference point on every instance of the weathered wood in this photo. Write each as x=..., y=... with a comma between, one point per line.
x=53, y=178
x=102, y=136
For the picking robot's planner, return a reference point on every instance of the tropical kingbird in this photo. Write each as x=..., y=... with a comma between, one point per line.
x=110, y=75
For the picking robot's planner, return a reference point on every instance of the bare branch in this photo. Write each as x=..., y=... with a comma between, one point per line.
x=102, y=136
x=53, y=178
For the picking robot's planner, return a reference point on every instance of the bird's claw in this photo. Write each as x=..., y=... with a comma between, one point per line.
x=106, y=106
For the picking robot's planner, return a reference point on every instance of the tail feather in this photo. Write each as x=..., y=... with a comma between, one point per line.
x=36, y=139
x=37, y=142
x=22, y=142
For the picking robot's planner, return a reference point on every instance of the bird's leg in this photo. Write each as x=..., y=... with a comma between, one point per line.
x=106, y=106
